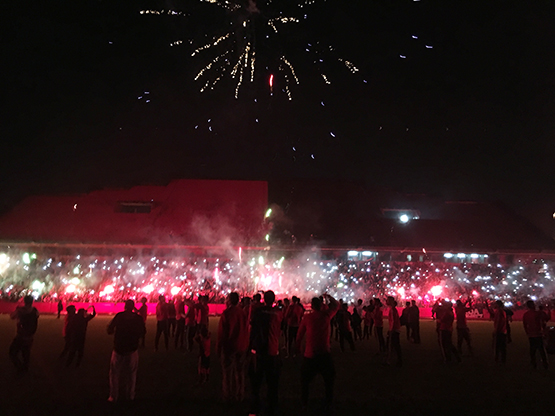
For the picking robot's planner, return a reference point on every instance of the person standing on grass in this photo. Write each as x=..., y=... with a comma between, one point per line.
x=446, y=333
x=405, y=319
x=232, y=349
x=60, y=308
x=378, y=324
x=317, y=354
x=143, y=313
x=161, y=322
x=533, y=326
x=180, y=322
x=172, y=318
x=499, y=318
x=368, y=320
x=203, y=312
x=68, y=328
x=343, y=318
x=463, y=332
x=394, y=333
x=264, y=346
x=293, y=318
x=203, y=339
x=128, y=328
x=414, y=322
x=190, y=323
x=79, y=333
x=27, y=317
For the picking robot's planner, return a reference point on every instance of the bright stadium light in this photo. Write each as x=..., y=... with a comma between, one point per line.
x=352, y=253
x=404, y=218
x=448, y=255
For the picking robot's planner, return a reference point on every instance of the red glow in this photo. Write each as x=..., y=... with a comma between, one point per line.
x=271, y=80
x=175, y=290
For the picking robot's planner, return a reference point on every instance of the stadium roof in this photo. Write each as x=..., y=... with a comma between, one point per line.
x=184, y=212
x=330, y=214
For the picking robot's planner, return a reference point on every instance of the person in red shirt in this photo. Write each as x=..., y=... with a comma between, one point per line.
x=161, y=322
x=264, y=346
x=232, y=349
x=533, y=326
x=394, y=333
x=499, y=318
x=446, y=332
x=317, y=354
x=378, y=324
x=293, y=319
x=463, y=332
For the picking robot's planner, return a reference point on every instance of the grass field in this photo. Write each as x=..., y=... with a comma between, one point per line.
x=166, y=382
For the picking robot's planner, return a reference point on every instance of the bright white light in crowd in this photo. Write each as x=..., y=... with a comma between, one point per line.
x=404, y=218
x=175, y=290
x=109, y=289
x=75, y=281
x=474, y=293
x=70, y=289
x=26, y=258
x=401, y=292
x=76, y=270
x=352, y=253
x=448, y=255
x=161, y=291
x=261, y=260
x=436, y=291
x=268, y=213
x=148, y=289
x=461, y=255
x=37, y=286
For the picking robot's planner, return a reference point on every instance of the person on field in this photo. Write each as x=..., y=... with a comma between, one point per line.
x=78, y=335
x=26, y=317
x=533, y=326
x=128, y=328
x=317, y=353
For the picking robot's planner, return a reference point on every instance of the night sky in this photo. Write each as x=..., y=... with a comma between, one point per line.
x=451, y=98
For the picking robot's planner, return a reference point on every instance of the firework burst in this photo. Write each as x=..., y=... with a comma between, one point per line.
x=253, y=43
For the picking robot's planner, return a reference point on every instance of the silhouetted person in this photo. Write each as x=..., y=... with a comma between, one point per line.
x=60, y=308
x=172, y=318
x=356, y=320
x=405, y=319
x=414, y=322
x=203, y=339
x=533, y=326
x=317, y=354
x=368, y=320
x=180, y=322
x=161, y=322
x=143, y=313
x=203, y=312
x=66, y=332
x=499, y=318
x=463, y=332
x=190, y=323
x=343, y=318
x=293, y=318
x=378, y=324
x=446, y=332
x=394, y=333
x=128, y=328
x=26, y=317
x=78, y=334
x=232, y=349
x=264, y=346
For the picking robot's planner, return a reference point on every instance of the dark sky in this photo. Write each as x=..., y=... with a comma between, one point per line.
x=451, y=98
